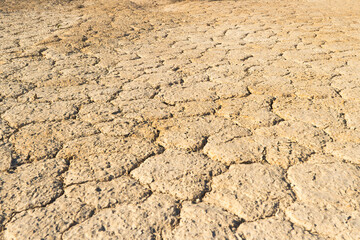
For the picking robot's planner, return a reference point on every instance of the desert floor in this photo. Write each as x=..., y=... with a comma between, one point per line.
x=180, y=120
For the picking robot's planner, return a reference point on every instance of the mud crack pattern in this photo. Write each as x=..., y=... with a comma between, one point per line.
x=179, y=119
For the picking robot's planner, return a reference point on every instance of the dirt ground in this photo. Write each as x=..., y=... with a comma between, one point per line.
x=180, y=119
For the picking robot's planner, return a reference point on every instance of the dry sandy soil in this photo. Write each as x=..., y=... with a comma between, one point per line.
x=179, y=119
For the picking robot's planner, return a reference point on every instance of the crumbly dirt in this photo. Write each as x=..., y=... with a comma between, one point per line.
x=170, y=119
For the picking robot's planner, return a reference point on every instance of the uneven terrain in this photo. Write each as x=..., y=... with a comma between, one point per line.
x=180, y=119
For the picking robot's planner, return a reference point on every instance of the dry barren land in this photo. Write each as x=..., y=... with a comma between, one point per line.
x=180, y=119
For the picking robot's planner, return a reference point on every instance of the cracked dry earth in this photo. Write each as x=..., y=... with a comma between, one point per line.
x=179, y=120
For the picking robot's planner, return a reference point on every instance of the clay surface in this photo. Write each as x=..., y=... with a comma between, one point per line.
x=180, y=119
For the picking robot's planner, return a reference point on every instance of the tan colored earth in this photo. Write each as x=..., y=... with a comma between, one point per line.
x=180, y=120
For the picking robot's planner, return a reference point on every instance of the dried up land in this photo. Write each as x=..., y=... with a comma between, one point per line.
x=180, y=120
